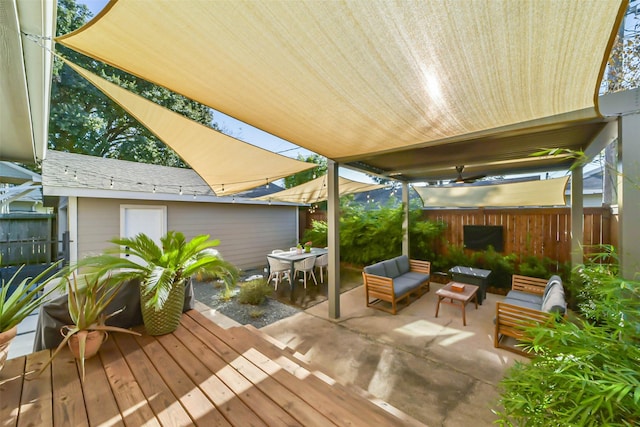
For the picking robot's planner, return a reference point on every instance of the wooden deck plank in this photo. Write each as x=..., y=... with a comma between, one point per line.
x=230, y=405
x=68, y=401
x=11, y=379
x=131, y=401
x=202, y=410
x=199, y=375
x=99, y=400
x=36, y=407
x=267, y=409
x=292, y=404
x=165, y=405
x=346, y=406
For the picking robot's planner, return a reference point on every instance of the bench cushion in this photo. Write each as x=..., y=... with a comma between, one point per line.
x=521, y=303
x=391, y=268
x=418, y=277
x=402, y=285
x=527, y=297
x=403, y=264
x=376, y=269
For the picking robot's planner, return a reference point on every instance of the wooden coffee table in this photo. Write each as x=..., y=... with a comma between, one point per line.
x=462, y=298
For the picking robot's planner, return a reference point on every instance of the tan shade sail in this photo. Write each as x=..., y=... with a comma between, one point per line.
x=548, y=192
x=316, y=190
x=225, y=163
x=348, y=78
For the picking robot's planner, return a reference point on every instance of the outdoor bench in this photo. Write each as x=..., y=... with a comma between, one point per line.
x=530, y=302
x=394, y=280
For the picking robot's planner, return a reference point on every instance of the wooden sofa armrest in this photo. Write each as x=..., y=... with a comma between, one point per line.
x=532, y=285
x=420, y=266
x=378, y=286
x=511, y=320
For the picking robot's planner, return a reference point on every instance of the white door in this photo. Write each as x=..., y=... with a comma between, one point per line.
x=147, y=219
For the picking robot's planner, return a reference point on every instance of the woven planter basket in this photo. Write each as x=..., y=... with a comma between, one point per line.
x=167, y=319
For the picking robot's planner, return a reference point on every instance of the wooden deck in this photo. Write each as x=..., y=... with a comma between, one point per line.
x=199, y=375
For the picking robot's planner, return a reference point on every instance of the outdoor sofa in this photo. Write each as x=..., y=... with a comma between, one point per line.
x=394, y=280
x=531, y=301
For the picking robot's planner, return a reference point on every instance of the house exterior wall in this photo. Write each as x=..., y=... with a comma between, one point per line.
x=246, y=232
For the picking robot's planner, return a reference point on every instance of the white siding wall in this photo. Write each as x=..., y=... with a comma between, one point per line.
x=246, y=232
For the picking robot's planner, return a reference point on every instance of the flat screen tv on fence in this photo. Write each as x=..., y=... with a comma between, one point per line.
x=480, y=237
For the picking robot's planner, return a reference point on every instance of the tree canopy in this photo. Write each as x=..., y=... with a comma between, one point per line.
x=84, y=120
x=310, y=174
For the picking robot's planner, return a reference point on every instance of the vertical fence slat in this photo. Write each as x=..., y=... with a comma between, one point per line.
x=541, y=232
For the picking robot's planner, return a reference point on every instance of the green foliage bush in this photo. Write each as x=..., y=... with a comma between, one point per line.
x=502, y=266
x=254, y=292
x=317, y=234
x=371, y=235
x=585, y=372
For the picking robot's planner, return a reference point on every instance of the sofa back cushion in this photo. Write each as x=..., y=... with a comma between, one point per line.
x=552, y=281
x=376, y=269
x=553, y=301
x=391, y=268
x=402, y=262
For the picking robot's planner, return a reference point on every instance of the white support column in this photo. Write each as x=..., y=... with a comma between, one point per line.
x=405, y=219
x=577, y=217
x=333, y=239
x=72, y=216
x=629, y=196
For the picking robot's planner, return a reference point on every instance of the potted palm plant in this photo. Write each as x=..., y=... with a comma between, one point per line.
x=163, y=272
x=24, y=299
x=87, y=303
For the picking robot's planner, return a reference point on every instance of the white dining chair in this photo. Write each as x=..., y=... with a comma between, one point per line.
x=277, y=251
x=305, y=267
x=322, y=263
x=278, y=271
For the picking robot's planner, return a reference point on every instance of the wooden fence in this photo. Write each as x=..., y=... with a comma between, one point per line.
x=26, y=239
x=540, y=232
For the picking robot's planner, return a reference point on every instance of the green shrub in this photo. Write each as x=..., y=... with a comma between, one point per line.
x=317, y=234
x=368, y=235
x=502, y=266
x=534, y=267
x=585, y=373
x=454, y=255
x=254, y=292
x=256, y=313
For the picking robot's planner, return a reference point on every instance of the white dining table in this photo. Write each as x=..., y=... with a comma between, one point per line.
x=293, y=256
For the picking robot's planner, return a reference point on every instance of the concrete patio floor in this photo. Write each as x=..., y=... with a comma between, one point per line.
x=434, y=369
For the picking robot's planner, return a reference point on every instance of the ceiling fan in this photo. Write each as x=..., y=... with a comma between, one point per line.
x=460, y=179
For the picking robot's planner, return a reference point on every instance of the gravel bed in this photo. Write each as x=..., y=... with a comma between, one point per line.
x=261, y=315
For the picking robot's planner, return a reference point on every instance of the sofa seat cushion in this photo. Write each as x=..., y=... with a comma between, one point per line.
x=525, y=296
x=391, y=268
x=521, y=303
x=554, y=301
x=402, y=285
x=403, y=264
x=418, y=277
x=376, y=269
